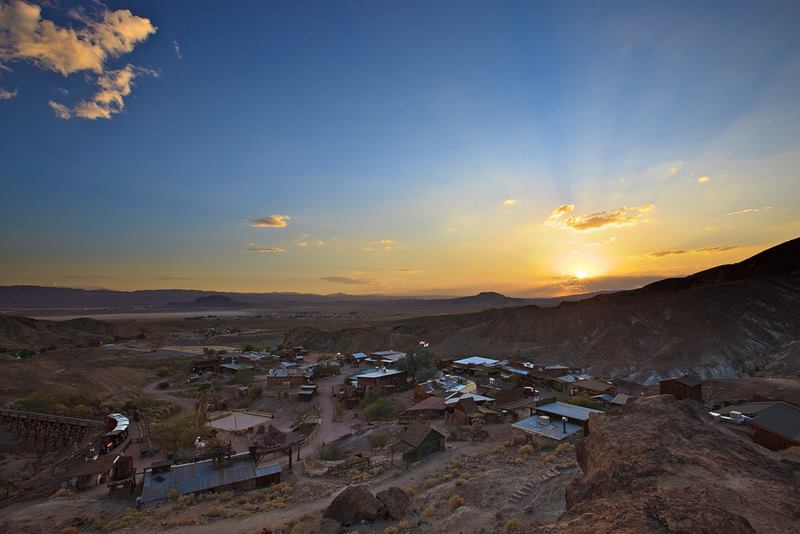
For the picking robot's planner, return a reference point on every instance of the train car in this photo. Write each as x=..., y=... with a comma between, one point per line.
x=118, y=431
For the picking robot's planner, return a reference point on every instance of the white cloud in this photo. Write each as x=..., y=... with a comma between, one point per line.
x=5, y=94
x=177, y=47
x=509, y=202
x=749, y=210
x=703, y=179
x=61, y=111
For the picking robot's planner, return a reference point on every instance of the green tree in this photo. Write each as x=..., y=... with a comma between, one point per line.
x=244, y=376
x=420, y=364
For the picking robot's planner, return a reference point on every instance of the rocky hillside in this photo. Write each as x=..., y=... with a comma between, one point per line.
x=661, y=465
x=729, y=321
x=26, y=333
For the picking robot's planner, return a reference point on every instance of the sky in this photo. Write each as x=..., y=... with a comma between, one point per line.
x=394, y=147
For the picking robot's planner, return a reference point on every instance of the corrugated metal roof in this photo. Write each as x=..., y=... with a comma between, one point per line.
x=202, y=476
x=571, y=411
x=477, y=360
x=552, y=430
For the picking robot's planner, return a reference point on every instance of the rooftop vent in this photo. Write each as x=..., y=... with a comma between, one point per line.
x=544, y=420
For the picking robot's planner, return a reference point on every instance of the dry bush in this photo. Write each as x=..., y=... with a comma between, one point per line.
x=129, y=518
x=794, y=450
x=454, y=502
x=404, y=524
x=546, y=458
x=430, y=482
x=63, y=492
x=69, y=530
x=429, y=511
x=391, y=530
x=569, y=448
x=173, y=494
x=460, y=481
x=410, y=489
x=456, y=464
x=513, y=524
x=525, y=449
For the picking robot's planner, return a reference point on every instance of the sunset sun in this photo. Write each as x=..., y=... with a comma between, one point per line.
x=580, y=275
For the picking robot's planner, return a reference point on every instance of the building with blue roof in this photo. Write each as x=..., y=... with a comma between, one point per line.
x=237, y=472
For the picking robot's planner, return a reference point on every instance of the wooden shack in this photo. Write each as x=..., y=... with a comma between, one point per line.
x=777, y=427
x=682, y=387
x=419, y=441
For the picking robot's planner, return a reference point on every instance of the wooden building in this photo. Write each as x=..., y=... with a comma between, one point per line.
x=419, y=441
x=286, y=377
x=777, y=427
x=381, y=379
x=430, y=408
x=682, y=387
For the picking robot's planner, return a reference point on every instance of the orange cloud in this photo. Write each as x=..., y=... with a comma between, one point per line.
x=704, y=250
x=269, y=221
x=266, y=249
x=600, y=220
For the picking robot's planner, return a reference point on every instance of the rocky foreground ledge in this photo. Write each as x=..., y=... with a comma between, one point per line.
x=662, y=465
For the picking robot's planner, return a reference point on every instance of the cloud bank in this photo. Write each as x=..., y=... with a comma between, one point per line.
x=349, y=280
x=5, y=94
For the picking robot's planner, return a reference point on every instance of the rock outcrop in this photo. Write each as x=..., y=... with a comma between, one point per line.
x=396, y=502
x=662, y=465
x=355, y=504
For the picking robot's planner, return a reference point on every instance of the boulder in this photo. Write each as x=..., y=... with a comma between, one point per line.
x=397, y=503
x=355, y=504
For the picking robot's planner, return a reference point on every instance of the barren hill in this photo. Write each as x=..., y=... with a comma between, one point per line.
x=731, y=320
x=661, y=465
x=23, y=332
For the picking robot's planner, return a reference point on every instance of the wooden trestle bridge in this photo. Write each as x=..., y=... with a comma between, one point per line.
x=49, y=430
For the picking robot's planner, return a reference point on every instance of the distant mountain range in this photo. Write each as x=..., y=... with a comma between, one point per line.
x=27, y=298
x=727, y=321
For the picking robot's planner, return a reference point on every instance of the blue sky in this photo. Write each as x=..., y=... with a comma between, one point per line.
x=392, y=134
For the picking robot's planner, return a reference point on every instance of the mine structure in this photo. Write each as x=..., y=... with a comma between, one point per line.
x=46, y=429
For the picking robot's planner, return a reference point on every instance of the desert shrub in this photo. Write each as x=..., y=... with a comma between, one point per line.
x=546, y=458
x=460, y=481
x=403, y=524
x=254, y=392
x=565, y=448
x=380, y=408
x=391, y=530
x=378, y=439
x=430, y=482
x=69, y=530
x=429, y=511
x=526, y=449
x=410, y=489
x=244, y=376
x=454, y=502
x=331, y=452
x=513, y=524
x=323, y=369
x=173, y=494
x=794, y=450
x=63, y=492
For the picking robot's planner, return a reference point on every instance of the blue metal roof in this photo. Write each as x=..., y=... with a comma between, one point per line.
x=477, y=360
x=201, y=476
x=570, y=411
x=359, y=355
x=552, y=430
